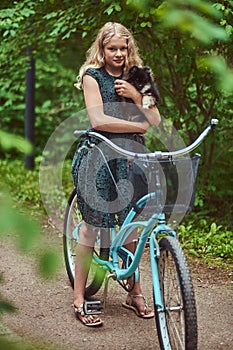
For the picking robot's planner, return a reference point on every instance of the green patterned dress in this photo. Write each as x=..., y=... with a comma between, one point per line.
x=101, y=176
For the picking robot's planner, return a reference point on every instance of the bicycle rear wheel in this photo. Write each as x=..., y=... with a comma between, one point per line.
x=177, y=322
x=72, y=224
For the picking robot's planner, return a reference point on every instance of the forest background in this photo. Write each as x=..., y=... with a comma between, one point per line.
x=187, y=44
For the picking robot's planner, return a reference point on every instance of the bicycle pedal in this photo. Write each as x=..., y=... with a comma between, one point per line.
x=92, y=307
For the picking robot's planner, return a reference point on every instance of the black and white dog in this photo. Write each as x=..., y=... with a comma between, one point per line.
x=141, y=79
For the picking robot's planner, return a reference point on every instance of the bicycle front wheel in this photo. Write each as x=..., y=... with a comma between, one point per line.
x=177, y=321
x=72, y=224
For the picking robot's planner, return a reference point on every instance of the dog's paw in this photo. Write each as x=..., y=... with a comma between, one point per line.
x=148, y=101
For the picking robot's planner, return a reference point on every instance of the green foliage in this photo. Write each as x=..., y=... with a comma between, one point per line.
x=7, y=345
x=20, y=344
x=188, y=16
x=223, y=74
x=48, y=264
x=4, y=305
x=9, y=141
x=22, y=184
x=207, y=241
x=188, y=45
x=11, y=221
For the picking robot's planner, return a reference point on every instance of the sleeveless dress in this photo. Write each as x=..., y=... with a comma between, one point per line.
x=101, y=176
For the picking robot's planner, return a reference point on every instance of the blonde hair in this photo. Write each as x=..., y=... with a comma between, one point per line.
x=95, y=55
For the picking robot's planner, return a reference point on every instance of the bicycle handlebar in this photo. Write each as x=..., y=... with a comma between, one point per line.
x=156, y=154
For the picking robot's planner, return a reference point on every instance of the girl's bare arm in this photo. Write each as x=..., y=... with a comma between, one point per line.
x=99, y=120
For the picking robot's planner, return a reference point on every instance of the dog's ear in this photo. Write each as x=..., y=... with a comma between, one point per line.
x=147, y=70
x=133, y=69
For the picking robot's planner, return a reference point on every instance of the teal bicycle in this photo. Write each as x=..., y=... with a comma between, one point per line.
x=172, y=175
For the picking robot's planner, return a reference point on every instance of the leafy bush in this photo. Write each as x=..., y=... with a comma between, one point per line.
x=207, y=240
x=23, y=185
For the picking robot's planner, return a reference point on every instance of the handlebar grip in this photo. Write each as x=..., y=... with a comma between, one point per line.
x=79, y=133
x=213, y=122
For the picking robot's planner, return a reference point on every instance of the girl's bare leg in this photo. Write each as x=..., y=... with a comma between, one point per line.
x=138, y=302
x=82, y=265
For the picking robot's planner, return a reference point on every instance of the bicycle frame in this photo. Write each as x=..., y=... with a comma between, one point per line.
x=149, y=230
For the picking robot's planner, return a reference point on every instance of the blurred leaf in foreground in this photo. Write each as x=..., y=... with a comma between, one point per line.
x=14, y=223
x=9, y=141
x=223, y=74
x=48, y=264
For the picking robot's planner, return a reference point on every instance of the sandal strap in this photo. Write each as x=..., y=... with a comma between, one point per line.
x=79, y=309
x=86, y=320
x=132, y=296
x=136, y=296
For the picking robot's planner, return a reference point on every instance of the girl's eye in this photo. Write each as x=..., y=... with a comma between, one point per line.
x=114, y=49
x=111, y=49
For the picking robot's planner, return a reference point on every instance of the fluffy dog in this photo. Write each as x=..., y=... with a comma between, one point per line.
x=141, y=79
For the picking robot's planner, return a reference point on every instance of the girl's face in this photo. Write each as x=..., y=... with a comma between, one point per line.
x=115, y=53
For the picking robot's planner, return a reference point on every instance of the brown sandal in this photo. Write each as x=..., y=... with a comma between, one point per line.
x=135, y=308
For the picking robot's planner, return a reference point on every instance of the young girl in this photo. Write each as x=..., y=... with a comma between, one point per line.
x=113, y=53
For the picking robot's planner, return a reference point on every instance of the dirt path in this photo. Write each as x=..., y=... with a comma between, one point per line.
x=45, y=315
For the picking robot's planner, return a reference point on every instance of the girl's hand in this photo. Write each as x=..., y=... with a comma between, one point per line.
x=125, y=89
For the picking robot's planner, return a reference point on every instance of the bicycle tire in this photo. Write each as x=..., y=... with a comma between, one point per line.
x=96, y=274
x=177, y=323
